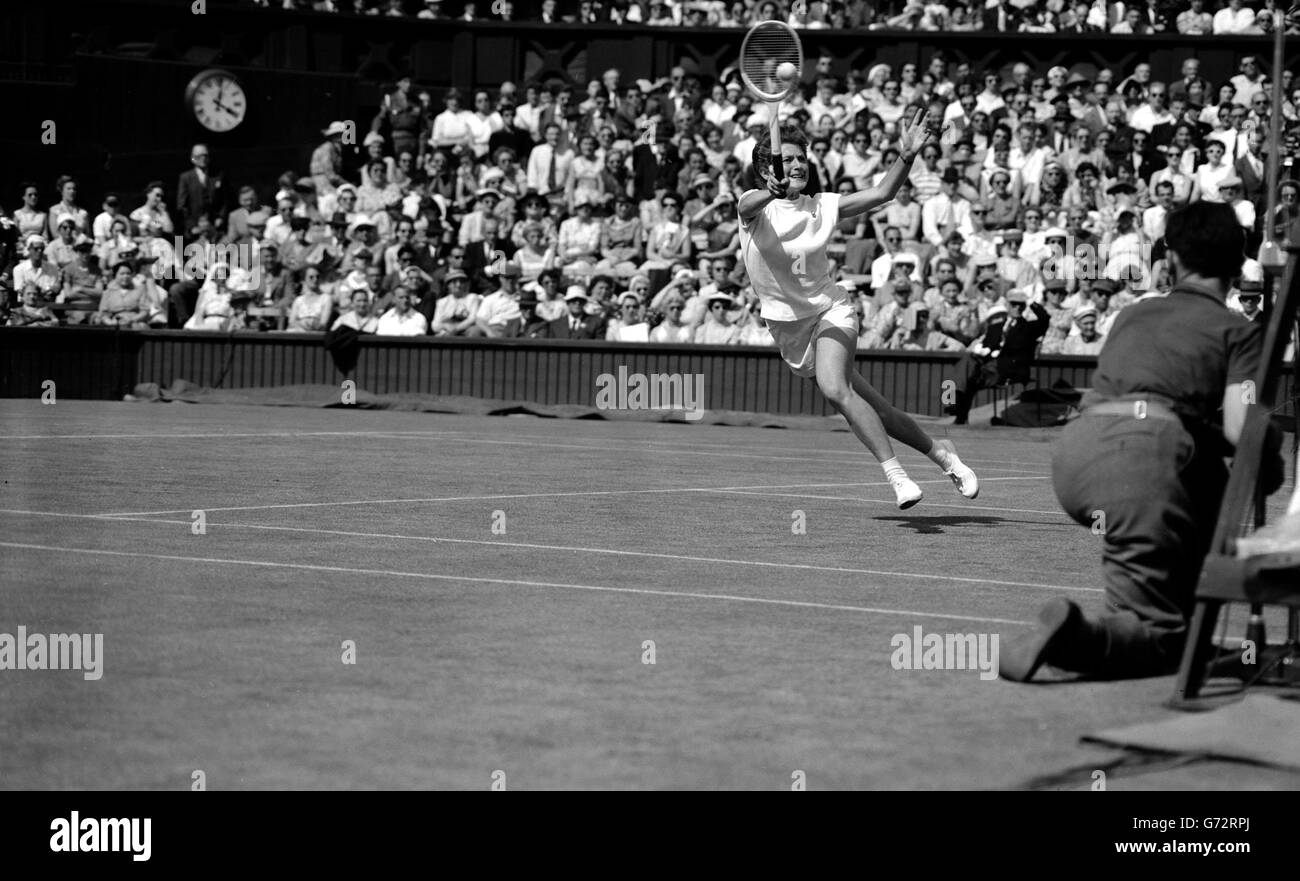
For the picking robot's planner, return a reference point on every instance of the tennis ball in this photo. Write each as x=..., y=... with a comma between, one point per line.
x=785, y=71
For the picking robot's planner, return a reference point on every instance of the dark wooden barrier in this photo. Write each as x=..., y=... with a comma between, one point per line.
x=103, y=364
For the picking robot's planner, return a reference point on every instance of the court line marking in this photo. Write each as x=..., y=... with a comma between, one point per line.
x=809, y=455
x=571, y=549
x=478, y=580
x=967, y=507
x=549, y=495
x=216, y=435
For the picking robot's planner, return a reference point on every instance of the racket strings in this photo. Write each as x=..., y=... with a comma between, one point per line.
x=766, y=48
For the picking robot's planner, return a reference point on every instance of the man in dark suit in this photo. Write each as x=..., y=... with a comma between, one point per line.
x=655, y=166
x=1003, y=354
x=199, y=192
x=484, y=254
x=577, y=325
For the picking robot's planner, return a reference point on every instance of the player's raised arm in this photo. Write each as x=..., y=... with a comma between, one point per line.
x=752, y=202
x=914, y=137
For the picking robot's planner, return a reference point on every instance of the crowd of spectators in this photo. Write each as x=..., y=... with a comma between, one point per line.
x=1016, y=16
x=606, y=210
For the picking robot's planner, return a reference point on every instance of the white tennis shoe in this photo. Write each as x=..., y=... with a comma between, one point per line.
x=962, y=476
x=905, y=491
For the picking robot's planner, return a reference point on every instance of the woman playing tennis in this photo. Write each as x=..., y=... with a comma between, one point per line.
x=783, y=237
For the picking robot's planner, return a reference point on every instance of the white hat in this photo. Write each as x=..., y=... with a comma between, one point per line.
x=36, y=239
x=335, y=128
x=998, y=309
x=575, y=292
x=1084, y=311
x=372, y=138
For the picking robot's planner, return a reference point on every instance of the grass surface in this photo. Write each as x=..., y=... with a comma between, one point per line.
x=522, y=652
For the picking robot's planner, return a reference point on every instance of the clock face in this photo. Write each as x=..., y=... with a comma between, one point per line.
x=217, y=100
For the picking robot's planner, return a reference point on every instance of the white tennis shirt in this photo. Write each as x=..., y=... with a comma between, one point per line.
x=784, y=249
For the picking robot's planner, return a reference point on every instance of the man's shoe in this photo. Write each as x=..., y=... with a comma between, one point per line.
x=1058, y=621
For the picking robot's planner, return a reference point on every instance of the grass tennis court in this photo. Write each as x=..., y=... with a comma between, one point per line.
x=478, y=651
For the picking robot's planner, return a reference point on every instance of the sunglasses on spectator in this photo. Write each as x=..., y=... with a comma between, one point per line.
x=894, y=239
x=978, y=212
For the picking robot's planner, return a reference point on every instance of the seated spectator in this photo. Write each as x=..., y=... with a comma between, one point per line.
x=312, y=308
x=401, y=319
x=717, y=329
x=671, y=329
x=82, y=282
x=952, y=316
x=484, y=256
x=358, y=317
x=1087, y=341
x=215, y=308
x=914, y=333
x=531, y=325
x=1060, y=316
x=498, y=314
x=1003, y=354
x=580, y=237
x=1018, y=271
x=622, y=241
x=67, y=207
x=36, y=275
x=576, y=324
x=152, y=218
x=32, y=311
x=630, y=326
x=669, y=239
x=59, y=251
x=890, y=317
x=471, y=225
x=29, y=220
x=455, y=312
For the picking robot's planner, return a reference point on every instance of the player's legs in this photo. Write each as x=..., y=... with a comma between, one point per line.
x=902, y=427
x=834, y=369
x=835, y=380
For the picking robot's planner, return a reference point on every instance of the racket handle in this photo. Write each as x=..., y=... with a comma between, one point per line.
x=777, y=166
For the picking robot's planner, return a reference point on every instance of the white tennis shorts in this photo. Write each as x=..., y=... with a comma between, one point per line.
x=797, y=339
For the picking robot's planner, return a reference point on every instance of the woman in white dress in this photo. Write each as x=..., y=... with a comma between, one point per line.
x=783, y=234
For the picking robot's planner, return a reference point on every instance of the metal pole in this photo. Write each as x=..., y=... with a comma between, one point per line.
x=1271, y=257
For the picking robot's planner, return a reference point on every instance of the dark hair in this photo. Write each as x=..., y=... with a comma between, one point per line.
x=763, y=149
x=1207, y=238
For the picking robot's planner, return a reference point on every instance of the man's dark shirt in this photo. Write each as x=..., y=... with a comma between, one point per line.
x=1187, y=347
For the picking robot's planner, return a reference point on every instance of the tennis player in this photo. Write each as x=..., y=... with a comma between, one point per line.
x=783, y=237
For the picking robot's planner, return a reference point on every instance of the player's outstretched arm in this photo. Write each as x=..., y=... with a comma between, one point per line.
x=914, y=137
x=753, y=202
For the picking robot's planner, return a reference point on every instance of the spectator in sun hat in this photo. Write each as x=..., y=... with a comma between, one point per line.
x=1247, y=298
x=1060, y=307
x=717, y=329
x=1231, y=192
x=576, y=324
x=59, y=250
x=455, y=312
x=471, y=225
x=327, y=159
x=1086, y=340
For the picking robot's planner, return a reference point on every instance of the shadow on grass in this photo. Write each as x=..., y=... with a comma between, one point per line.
x=935, y=525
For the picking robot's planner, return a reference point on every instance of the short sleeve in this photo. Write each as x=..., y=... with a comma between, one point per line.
x=1245, y=348
x=748, y=226
x=830, y=204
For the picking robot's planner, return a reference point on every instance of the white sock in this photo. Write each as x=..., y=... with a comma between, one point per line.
x=893, y=471
x=940, y=456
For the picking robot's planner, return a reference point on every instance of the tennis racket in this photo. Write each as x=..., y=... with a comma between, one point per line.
x=768, y=47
